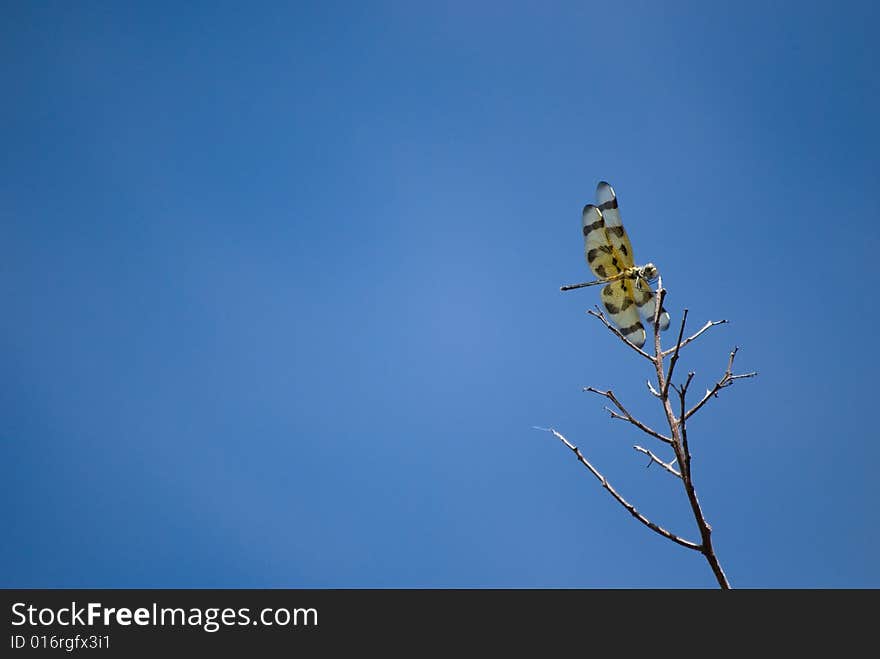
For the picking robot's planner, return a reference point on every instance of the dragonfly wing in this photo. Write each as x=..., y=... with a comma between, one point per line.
x=613, y=225
x=646, y=301
x=617, y=298
x=597, y=248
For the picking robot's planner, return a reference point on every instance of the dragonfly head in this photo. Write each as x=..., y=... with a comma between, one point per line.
x=649, y=271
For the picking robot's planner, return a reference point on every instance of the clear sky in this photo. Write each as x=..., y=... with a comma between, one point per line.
x=280, y=291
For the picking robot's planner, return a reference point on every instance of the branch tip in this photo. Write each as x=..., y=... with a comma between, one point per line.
x=623, y=502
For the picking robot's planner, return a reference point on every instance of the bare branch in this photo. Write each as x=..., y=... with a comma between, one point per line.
x=657, y=357
x=679, y=445
x=680, y=465
x=687, y=383
x=666, y=465
x=742, y=376
x=627, y=416
x=682, y=428
x=674, y=359
x=725, y=381
x=709, y=324
x=623, y=502
x=601, y=316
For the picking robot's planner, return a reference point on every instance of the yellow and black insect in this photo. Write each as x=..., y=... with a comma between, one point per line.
x=627, y=292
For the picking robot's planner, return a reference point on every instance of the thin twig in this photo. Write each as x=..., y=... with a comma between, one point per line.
x=657, y=358
x=653, y=391
x=674, y=359
x=682, y=423
x=666, y=465
x=627, y=416
x=601, y=316
x=727, y=379
x=709, y=324
x=687, y=383
x=623, y=502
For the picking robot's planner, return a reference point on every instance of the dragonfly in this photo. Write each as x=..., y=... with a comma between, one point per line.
x=627, y=294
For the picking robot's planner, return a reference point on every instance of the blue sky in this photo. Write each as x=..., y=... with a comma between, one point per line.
x=281, y=307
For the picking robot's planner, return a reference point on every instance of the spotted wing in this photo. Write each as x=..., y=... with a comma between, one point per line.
x=613, y=226
x=617, y=298
x=645, y=300
x=598, y=250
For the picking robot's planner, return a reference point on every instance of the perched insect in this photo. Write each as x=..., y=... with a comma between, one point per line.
x=610, y=256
